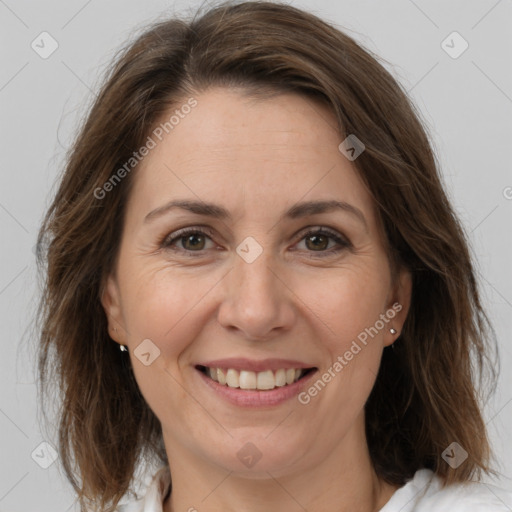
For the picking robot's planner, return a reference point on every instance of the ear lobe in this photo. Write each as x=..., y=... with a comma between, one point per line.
x=400, y=304
x=110, y=300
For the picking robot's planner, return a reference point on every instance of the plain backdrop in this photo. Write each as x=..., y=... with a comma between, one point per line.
x=465, y=101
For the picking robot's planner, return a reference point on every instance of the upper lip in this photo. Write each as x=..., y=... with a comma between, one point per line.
x=240, y=363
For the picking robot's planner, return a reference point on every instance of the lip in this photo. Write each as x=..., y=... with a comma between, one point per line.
x=240, y=363
x=256, y=398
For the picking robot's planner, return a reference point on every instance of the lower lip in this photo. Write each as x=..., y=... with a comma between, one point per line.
x=256, y=398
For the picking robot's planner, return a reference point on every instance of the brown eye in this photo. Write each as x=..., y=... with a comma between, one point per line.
x=193, y=241
x=318, y=242
x=190, y=240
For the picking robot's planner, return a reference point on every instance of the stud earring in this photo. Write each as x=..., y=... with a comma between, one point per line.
x=392, y=330
x=122, y=348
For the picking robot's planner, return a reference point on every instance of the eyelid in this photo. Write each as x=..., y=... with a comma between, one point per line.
x=342, y=241
x=176, y=235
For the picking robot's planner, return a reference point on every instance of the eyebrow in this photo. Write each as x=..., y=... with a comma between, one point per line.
x=297, y=211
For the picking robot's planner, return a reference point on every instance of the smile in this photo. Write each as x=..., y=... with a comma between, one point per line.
x=266, y=380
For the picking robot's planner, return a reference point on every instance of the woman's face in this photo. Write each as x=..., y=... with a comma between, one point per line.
x=257, y=286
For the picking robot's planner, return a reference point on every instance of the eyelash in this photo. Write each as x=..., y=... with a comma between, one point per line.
x=167, y=242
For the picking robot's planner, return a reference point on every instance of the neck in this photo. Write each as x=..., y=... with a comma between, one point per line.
x=342, y=481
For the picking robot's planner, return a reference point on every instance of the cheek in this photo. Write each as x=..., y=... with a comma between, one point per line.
x=163, y=308
x=352, y=348
x=345, y=302
x=347, y=311
x=171, y=306
x=167, y=306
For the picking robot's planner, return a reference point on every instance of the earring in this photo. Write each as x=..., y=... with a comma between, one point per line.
x=393, y=331
x=122, y=348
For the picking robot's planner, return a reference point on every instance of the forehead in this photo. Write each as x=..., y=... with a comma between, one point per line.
x=246, y=152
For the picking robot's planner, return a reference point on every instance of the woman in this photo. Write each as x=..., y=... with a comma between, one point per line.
x=255, y=280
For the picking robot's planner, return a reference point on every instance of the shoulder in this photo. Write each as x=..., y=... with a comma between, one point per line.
x=424, y=493
x=153, y=494
x=477, y=497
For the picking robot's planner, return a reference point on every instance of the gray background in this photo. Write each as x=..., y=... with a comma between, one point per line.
x=466, y=102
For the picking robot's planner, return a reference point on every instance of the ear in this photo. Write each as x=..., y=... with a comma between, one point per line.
x=111, y=302
x=398, y=305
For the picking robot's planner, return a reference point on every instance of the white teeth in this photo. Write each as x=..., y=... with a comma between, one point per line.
x=265, y=380
x=280, y=377
x=247, y=380
x=221, y=376
x=232, y=378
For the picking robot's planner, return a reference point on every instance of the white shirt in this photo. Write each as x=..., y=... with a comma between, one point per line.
x=422, y=493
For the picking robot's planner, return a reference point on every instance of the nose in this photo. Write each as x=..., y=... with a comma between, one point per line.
x=256, y=299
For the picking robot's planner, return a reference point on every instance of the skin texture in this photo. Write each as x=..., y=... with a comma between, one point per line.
x=256, y=158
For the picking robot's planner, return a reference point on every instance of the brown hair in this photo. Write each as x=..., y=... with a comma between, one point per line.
x=425, y=396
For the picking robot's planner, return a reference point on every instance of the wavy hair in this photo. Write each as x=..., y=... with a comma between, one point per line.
x=428, y=391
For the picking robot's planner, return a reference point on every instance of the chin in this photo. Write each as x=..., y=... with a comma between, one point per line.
x=258, y=454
